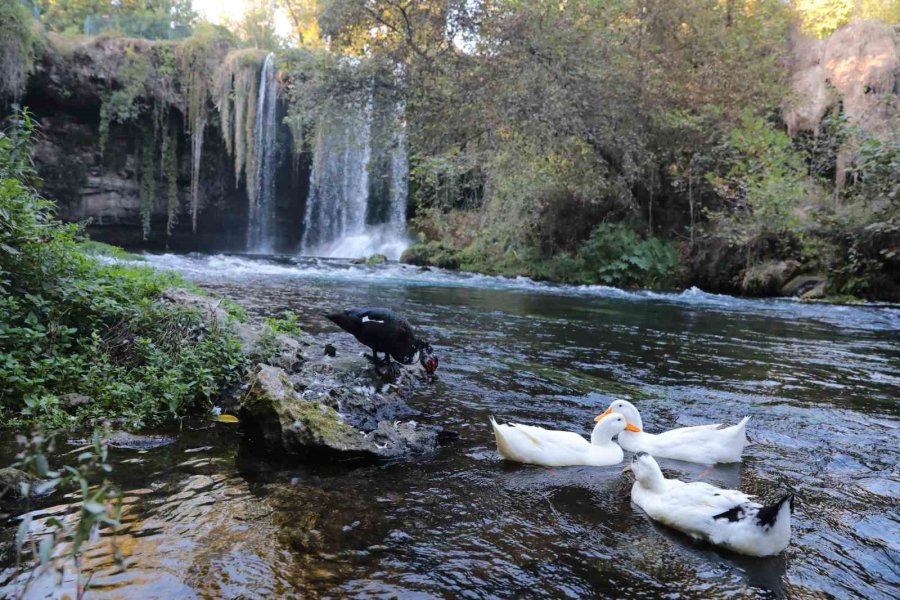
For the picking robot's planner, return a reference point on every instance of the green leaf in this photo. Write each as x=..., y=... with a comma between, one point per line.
x=95, y=508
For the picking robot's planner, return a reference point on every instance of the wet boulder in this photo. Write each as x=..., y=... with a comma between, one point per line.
x=767, y=278
x=333, y=416
x=806, y=286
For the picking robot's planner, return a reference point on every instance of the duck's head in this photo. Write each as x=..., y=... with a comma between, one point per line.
x=627, y=410
x=646, y=470
x=608, y=427
x=427, y=359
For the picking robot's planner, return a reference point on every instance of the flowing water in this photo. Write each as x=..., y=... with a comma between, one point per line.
x=205, y=518
x=342, y=219
x=261, y=191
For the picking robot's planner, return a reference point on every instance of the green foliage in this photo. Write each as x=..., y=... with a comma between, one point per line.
x=449, y=180
x=234, y=310
x=65, y=538
x=820, y=18
x=615, y=255
x=71, y=324
x=287, y=323
x=862, y=234
x=765, y=182
x=92, y=248
x=123, y=104
x=17, y=40
x=156, y=19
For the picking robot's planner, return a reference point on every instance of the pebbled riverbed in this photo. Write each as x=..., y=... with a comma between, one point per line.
x=206, y=518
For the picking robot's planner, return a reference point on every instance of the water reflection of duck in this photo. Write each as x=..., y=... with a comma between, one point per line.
x=384, y=331
x=723, y=517
x=550, y=448
x=707, y=444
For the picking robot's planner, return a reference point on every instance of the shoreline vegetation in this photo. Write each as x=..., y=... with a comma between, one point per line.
x=83, y=342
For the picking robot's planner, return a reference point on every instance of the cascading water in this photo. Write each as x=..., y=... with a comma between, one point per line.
x=340, y=195
x=196, y=156
x=261, y=191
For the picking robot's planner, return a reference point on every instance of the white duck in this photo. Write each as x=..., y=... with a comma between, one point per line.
x=707, y=444
x=723, y=517
x=539, y=446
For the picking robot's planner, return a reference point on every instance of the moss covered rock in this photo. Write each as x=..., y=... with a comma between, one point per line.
x=433, y=254
x=286, y=423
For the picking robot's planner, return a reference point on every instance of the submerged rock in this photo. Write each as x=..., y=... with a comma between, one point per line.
x=338, y=413
x=72, y=401
x=11, y=480
x=128, y=441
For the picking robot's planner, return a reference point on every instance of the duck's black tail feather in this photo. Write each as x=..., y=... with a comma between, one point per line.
x=767, y=515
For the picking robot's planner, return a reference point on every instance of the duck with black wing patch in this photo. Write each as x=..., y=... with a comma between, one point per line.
x=387, y=333
x=727, y=518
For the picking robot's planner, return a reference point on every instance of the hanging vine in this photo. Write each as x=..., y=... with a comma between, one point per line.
x=194, y=61
x=236, y=91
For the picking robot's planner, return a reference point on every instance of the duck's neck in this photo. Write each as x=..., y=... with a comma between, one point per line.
x=635, y=419
x=654, y=481
x=599, y=437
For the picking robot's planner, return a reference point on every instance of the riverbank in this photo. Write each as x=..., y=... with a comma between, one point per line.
x=774, y=279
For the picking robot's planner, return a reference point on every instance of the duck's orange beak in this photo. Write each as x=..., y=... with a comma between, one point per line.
x=630, y=427
x=598, y=417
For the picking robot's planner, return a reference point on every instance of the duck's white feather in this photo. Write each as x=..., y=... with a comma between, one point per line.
x=707, y=444
x=551, y=448
x=723, y=517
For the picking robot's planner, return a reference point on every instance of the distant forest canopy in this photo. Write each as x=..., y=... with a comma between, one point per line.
x=732, y=144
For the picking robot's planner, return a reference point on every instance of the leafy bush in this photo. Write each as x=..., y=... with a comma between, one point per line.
x=615, y=255
x=70, y=324
x=287, y=323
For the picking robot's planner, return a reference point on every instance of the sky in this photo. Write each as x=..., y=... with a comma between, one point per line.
x=223, y=12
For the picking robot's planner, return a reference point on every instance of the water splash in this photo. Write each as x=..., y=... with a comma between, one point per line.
x=261, y=191
x=335, y=223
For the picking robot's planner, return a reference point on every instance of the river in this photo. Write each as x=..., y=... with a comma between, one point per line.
x=206, y=518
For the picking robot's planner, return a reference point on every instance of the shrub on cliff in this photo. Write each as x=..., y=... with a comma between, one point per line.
x=72, y=326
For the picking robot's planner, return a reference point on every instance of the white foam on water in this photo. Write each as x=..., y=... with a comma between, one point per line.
x=330, y=269
x=374, y=240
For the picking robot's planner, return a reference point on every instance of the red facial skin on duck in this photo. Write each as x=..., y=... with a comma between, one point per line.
x=431, y=365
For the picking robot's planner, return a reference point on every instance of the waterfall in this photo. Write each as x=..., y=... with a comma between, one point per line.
x=399, y=181
x=196, y=155
x=340, y=194
x=261, y=190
